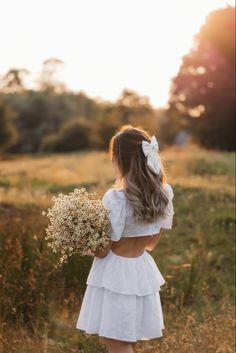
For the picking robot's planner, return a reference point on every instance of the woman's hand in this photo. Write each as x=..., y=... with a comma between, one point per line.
x=102, y=253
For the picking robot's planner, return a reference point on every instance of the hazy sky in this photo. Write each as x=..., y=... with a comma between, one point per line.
x=106, y=45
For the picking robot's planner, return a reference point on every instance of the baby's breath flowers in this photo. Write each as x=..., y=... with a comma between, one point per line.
x=79, y=224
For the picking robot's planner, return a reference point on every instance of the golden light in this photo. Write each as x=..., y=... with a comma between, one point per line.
x=106, y=45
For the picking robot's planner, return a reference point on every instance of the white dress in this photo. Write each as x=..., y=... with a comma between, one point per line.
x=122, y=299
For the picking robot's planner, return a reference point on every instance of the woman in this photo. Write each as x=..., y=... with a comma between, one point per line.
x=121, y=302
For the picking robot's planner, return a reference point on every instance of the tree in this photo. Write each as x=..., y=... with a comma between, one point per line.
x=130, y=103
x=8, y=134
x=130, y=108
x=38, y=114
x=76, y=134
x=48, y=79
x=203, y=92
x=13, y=80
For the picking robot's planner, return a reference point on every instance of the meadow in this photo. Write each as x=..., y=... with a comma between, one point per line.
x=40, y=303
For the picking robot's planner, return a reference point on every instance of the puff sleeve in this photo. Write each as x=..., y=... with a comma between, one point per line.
x=115, y=201
x=167, y=220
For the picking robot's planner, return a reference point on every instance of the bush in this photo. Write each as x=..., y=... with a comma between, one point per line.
x=76, y=134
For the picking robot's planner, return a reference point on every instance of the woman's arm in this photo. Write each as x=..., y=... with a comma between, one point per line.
x=104, y=251
x=153, y=242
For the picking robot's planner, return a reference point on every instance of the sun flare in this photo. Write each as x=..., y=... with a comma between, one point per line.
x=105, y=45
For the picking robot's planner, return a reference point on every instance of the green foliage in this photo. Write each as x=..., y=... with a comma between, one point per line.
x=201, y=251
x=169, y=128
x=51, y=121
x=4, y=183
x=37, y=114
x=8, y=133
x=74, y=135
x=199, y=166
x=202, y=93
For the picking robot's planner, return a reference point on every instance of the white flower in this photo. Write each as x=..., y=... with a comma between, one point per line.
x=78, y=224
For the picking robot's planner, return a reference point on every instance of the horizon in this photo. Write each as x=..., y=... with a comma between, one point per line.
x=100, y=43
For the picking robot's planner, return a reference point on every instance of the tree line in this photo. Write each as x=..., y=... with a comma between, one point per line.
x=51, y=118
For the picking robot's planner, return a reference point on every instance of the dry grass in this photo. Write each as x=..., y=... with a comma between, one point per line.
x=39, y=305
x=28, y=179
x=187, y=334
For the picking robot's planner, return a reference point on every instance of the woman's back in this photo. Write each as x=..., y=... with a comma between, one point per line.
x=129, y=236
x=131, y=247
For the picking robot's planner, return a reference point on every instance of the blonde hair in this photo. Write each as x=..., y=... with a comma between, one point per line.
x=144, y=189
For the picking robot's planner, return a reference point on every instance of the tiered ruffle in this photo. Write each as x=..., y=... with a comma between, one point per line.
x=122, y=299
x=136, y=275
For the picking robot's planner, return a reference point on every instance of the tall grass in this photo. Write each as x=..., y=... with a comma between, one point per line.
x=40, y=304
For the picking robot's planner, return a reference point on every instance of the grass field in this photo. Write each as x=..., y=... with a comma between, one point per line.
x=40, y=304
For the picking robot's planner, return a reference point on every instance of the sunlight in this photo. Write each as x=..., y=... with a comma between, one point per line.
x=106, y=46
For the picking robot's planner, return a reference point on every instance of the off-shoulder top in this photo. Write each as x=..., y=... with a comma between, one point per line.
x=122, y=223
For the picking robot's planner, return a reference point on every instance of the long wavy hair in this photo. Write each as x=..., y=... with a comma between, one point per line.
x=144, y=189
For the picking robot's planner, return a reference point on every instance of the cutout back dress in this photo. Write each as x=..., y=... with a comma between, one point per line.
x=122, y=299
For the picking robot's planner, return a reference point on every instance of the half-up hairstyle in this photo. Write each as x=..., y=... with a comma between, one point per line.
x=144, y=189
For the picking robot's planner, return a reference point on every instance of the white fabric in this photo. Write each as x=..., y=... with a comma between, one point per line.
x=122, y=299
x=137, y=275
x=150, y=151
x=125, y=318
x=121, y=215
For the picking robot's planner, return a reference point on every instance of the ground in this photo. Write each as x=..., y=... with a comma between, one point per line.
x=40, y=304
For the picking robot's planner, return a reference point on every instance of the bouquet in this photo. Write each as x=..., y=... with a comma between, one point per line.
x=79, y=224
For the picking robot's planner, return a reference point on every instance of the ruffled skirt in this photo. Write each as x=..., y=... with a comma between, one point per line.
x=122, y=299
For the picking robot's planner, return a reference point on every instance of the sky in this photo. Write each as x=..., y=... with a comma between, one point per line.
x=106, y=45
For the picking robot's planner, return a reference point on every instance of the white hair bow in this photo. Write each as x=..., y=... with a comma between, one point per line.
x=150, y=151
